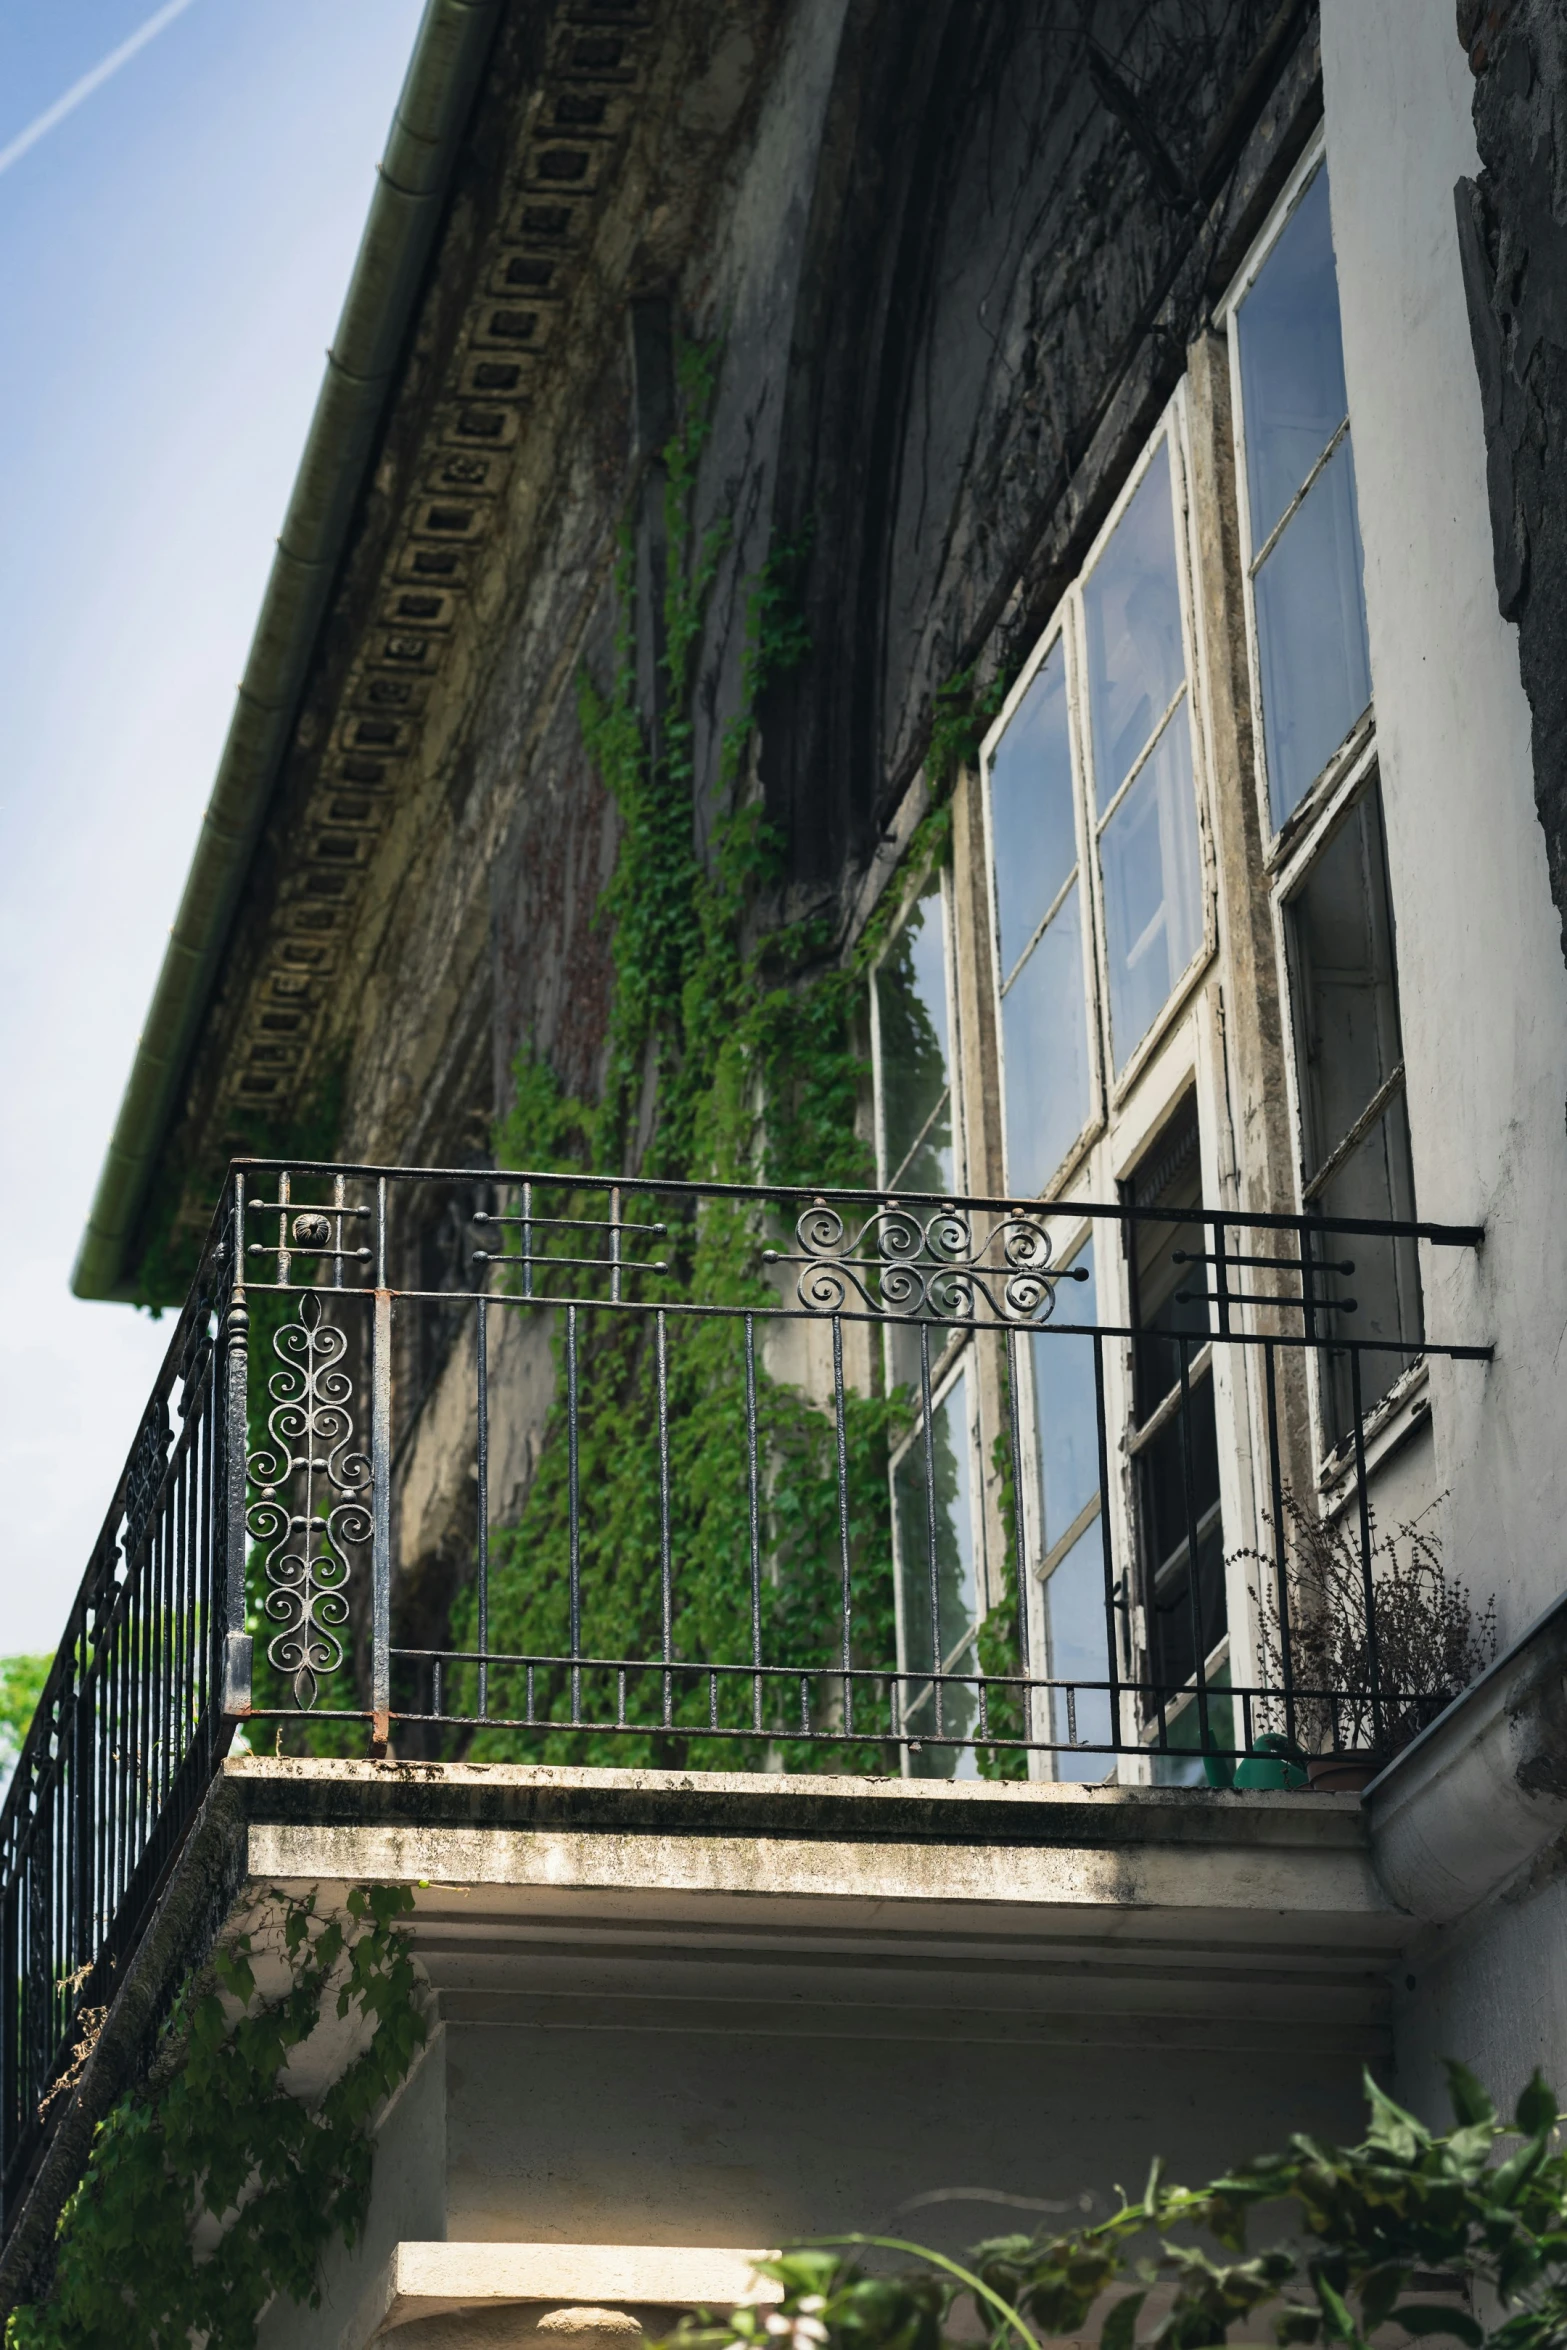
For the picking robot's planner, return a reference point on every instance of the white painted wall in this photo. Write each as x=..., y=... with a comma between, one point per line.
x=1484, y=987
x=1483, y=984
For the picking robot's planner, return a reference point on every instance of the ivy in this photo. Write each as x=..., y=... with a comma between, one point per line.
x=1480, y=2210
x=214, y=2133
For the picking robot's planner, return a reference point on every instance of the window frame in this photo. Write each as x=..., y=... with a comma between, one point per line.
x=1278, y=841
x=1110, y=1091
x=952, y=1363
x=912, y=892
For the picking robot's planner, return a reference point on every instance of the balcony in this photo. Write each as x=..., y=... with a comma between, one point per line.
x=751, y=1481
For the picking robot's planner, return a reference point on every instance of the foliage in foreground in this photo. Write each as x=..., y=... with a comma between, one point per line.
x=1371, y=2229
x=22, y=1681
x=215, y=2133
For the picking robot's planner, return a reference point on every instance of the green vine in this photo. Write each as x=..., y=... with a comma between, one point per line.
x=213, y=2133
x=726, y=1063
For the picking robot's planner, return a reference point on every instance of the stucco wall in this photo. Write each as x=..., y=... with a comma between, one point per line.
x=1483, y=986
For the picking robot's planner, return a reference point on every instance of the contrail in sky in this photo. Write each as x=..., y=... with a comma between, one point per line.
x=45, y=122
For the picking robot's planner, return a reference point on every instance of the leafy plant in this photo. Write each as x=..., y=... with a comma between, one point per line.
x=22, y=1681
x=214, y=2132
x=1370, y=2226
x=1429, y=1642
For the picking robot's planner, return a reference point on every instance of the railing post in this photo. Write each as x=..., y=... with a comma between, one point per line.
x=237, y=1645
x=381, y=1491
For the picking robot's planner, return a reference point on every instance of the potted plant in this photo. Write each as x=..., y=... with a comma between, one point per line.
x=1429, y=1643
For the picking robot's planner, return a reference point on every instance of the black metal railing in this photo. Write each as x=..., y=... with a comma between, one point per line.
x=742, y=1477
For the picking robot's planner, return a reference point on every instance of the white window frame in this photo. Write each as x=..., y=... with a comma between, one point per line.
x=1279, y=841
x=1109, y=1092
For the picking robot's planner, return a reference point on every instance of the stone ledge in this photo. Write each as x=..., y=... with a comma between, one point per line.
x=432, y=2280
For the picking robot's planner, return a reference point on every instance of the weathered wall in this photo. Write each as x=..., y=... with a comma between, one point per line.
x=1513, y=223
x=1483, y=988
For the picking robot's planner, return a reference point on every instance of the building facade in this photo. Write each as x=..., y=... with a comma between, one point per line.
x=948, y=615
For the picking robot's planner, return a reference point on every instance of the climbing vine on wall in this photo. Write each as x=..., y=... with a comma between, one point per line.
x=753, y=1056
x=215, y=2133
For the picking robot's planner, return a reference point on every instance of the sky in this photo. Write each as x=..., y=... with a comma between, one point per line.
x=174, y=250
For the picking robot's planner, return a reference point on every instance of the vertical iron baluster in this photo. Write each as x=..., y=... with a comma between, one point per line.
x=1112, y=1629
x=753, y=1476
x=573, y=1504
x=1025, y=1662
x=1193, y=1594
x=482, y=1467
x=614, y=1244
x=930, y=1523
x=1280, y=1554
x=527, y=1240
x=1363, y=1500
x=338, y=1202
x=381, y=1488
x=1221, y=1277
x=235, y=1697
x=666, y=1581
x=435, y=1688
x=845, y=1583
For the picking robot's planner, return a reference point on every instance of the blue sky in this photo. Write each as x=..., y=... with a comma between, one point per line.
x=173, y=256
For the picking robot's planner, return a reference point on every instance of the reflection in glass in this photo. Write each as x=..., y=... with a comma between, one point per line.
x=1065, y=1408
x=1292, y=360
x=1067, y=1424
x=1311, y=635
x=1031, y=809
x=1075, y=1631
x=1184, y=1763
x=1152, y=888
x=1044, y=1028
x=1132, y=606
x=1349, y=1047
x=936, y=1630
x=914, y=1050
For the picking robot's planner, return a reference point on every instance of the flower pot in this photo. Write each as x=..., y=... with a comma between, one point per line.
x=1344, y=1773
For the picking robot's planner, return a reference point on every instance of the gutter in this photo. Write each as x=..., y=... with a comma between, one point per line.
x=414, y=175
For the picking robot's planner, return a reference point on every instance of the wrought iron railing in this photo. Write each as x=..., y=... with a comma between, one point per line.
x=750, y=1478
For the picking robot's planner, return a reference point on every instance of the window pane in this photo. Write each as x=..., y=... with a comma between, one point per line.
x=1346, y=1009
x=1044, y=1029
x=1075, y=1627
x=1031, y=809
x=915, y=1050
x=1292, y=360
x=947, y=1471
x=1065, y=1409
x=1374, y=1181
x=1311, y=635
x=1152, y=887
x=1132, y=605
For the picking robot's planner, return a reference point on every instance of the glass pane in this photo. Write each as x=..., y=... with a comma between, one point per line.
x=946, y=1472
x=1178, y=1489
x=1292, y=360
x=1066, y=1409
x=1075, y=1625
x=951, y=1470
x=1044, y=1029
x=1031, y=809
x=1374, y=1181
x=915, y=1050
x=1153, y=890
x=1311, y=635
x=1132, y=605
x=1183, y=1765
x=1346, y=994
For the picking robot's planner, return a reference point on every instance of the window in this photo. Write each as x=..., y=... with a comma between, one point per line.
x=1354, y=1125
x=1300, y=523
x=1071, y=1548
x=913, y=1032
x=1173, y=1439
x=938, y=1534
x=1091, y=815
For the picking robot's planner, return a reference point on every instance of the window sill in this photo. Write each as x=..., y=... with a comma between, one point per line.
x=1387, y=1427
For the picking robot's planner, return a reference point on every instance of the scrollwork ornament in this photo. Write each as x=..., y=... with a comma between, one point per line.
x=916, y=1266
x=312, y=1500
